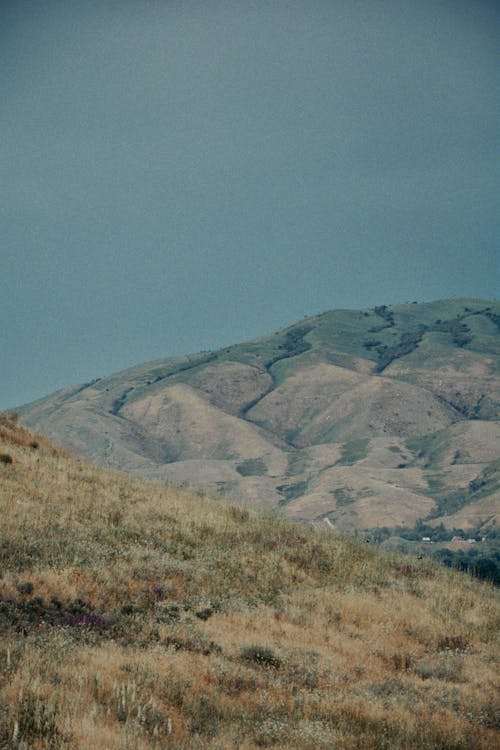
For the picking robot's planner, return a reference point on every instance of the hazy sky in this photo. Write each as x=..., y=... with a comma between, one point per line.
x=178, y=175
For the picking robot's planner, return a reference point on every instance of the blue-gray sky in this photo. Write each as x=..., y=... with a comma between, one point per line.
x=179, y=175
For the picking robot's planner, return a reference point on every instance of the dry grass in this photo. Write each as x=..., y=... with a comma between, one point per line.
x=138, y=616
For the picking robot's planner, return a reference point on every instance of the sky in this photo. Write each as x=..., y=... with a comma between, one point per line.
x=177, y=176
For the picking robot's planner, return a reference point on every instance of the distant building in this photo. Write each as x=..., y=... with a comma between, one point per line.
x=426, y=539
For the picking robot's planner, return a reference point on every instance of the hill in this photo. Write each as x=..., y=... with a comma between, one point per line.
x=134, y=615
x=368, y=419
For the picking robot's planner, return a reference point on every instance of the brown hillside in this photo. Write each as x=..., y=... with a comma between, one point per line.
x=133, y=615
x=364, y=416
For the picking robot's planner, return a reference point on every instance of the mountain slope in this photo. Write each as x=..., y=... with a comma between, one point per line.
x=328, y=418
x=139, y=616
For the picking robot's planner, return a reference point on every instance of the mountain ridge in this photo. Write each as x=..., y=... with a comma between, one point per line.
x=317, y=418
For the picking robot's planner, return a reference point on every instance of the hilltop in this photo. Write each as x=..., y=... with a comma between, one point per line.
x=362, y=419
x=134, y=615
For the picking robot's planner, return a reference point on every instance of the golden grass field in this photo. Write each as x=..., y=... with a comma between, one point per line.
x=136, y=616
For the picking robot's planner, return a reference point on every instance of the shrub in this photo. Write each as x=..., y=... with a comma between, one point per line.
x=252, y=467
x=445, y=666
x=25, y=588
x=189, y=639
x=261, y=655
x=205, y=715
x=452, y=643
x=401, y=662
x=6, y=458
x=239, y=514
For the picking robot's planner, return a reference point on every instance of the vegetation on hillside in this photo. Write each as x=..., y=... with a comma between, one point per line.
x=477, y=554
x=134, y=615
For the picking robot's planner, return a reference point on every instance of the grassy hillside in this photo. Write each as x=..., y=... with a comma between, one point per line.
x=337, y=416
x=138, y=616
